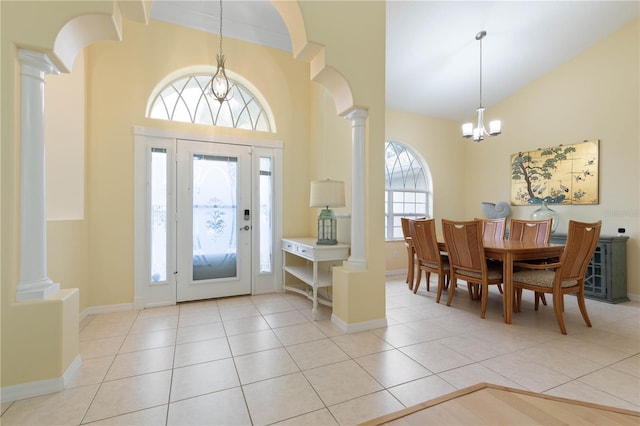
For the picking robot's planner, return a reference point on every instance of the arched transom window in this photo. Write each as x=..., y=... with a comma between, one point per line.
x=407, y=188
x=188, y=99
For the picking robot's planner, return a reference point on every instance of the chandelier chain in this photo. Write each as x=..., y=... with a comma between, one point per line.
x=221, y=27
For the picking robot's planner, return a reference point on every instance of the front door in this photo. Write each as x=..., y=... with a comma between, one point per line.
x=213, y=220
x=207, y=220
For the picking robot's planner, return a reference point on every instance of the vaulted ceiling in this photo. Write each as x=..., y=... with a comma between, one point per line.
x=432, y=54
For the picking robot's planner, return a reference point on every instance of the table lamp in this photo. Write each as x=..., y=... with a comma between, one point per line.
x=327, y=193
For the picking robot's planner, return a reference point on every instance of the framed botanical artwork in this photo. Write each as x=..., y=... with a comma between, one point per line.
x=565, y=174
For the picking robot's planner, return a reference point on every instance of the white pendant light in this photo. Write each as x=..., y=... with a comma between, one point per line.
x=479, y=132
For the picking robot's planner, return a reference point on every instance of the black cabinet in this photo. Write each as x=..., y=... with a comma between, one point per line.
x=606, y=277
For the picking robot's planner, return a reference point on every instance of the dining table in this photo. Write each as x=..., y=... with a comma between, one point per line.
x=510, y=251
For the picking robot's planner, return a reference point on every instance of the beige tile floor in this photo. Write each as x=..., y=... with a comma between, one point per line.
x=261, y=360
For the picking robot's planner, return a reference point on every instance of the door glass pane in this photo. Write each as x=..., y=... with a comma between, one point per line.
x=214, y=217
x=158, y=189
x=266, y=210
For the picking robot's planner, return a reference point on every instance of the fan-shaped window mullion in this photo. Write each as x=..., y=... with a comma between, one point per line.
x=187, y=99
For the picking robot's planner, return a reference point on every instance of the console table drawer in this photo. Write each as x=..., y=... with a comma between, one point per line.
x=312, y=265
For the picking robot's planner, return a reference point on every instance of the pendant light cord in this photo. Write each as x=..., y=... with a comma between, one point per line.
x=480, y=36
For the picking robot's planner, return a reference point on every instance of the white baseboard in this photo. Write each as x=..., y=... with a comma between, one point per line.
x=393, y=272
x=358, y=326
x=40, y=387
x=633, y=297
x=105, y=309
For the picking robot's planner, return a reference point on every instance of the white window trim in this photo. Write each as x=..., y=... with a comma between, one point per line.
x=429, y=191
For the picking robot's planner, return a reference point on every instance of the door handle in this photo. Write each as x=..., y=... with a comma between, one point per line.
x=245, y=228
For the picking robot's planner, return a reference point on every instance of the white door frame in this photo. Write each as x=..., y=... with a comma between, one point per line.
x=150, y=294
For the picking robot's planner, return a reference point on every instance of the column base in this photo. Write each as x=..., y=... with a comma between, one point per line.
x=38, y=290
x=359, y=264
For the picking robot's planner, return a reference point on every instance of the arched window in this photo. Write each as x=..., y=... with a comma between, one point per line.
x=407, y=188
x=187, y=99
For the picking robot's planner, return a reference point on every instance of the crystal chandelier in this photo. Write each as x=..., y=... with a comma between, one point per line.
x=220, y=86
x=479, y=132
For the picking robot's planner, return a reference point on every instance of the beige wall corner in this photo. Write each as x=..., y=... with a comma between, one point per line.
x=359, y=299
x=37, y=353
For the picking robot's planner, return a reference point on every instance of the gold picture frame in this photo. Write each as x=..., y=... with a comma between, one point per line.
x=565, y=174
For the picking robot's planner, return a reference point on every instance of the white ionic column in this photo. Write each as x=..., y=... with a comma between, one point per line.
x=34, y=283
x=358, y=258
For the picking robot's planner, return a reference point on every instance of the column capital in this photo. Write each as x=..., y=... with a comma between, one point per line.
x=357, y=115
x=36, y=64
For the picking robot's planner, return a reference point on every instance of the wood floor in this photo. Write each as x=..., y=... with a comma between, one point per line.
x=487, y=404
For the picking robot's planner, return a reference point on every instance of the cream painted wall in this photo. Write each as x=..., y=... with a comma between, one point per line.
x=331, y=155
x=355, y=47
x=120, y=78
x=438, y=142
x=29, y=329
x=65, y=130
x=593, y=96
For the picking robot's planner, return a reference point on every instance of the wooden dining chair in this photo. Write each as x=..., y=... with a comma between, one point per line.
x=531, y=230
x=467, y=259
x=492, y=229
x=563, y=277
x=411, y=253
x=429, y=258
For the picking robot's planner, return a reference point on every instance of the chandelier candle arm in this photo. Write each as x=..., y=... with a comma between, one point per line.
x=479, y=132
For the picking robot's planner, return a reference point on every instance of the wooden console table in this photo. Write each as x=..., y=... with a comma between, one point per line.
x=312, y=265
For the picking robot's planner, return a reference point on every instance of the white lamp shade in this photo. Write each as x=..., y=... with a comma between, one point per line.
x=495, y=127
x=327, y=193
x=467, y=130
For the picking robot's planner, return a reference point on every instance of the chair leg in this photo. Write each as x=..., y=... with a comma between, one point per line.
x=536, y=299
x=518, y=300
x=440, y=287
x=557, y=308
x=410, y=267
x=417, y=283
x=428, y=278
x=484, y=300
x=500, y=288
x=540, y=296
x=452, y=290
x=473, y=290
x=583, y=307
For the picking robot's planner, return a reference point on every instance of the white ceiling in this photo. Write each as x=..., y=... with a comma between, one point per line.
x=432, y=54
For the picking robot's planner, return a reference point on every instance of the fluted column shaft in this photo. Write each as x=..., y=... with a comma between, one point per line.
x=34, y=283
x=358, y=258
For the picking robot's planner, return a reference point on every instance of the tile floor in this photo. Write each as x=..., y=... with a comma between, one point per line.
x=261, y=360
